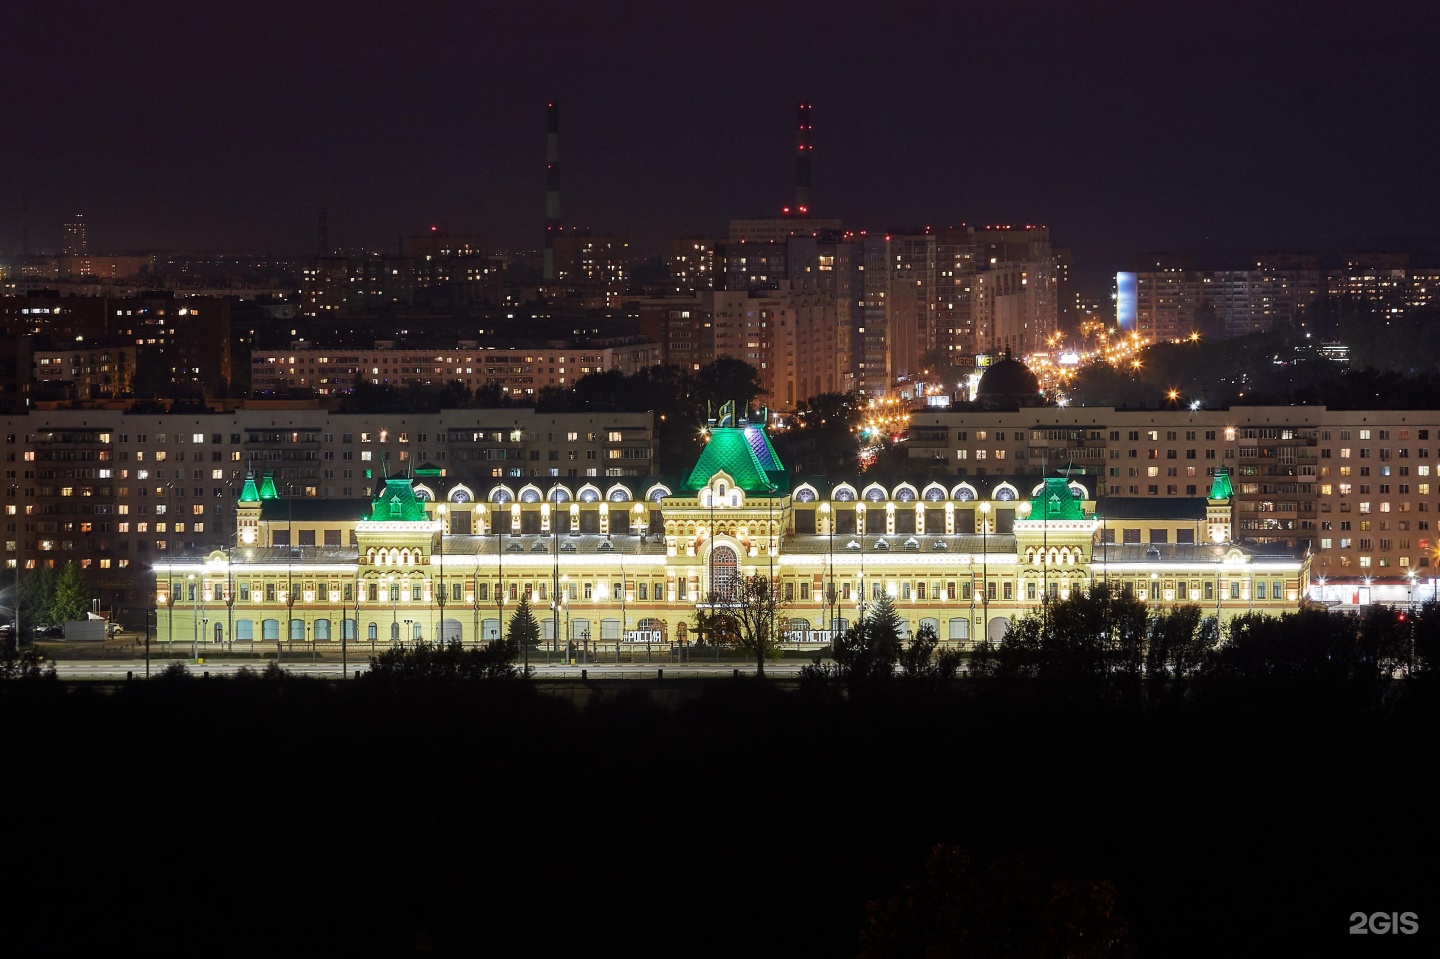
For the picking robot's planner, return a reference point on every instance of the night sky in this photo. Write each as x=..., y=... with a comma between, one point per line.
x=1124, y=127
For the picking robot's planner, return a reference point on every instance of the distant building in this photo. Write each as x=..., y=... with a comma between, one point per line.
x=791, y=333
x=1174, y=301
x=520, y=372
x=75, y=242
x=594, y=263
x=114, y=490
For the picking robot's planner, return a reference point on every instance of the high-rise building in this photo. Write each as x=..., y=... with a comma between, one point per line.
x=1174, y=300
x=791, y=333
x=75, y=243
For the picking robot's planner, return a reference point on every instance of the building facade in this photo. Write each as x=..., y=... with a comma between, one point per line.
x=115, y=491
x=625, y=565
x=1356, y=486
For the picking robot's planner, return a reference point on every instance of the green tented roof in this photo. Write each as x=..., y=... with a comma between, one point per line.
x=249, y=494
x=1220, y=488
x=745, y=454
x=396, y=502
x=1055, y=501
x=267, y=488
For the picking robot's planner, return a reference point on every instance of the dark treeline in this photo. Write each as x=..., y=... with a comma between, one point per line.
x=1240, y=797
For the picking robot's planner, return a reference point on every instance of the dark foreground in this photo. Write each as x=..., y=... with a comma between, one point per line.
x=295, y=816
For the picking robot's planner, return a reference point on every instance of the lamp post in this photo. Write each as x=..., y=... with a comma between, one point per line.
x=1025, y=509
x=555, y=575
x=194, y=617
x=229, y=599
x=562, y=597
x=828, y=600
x=344, y=662
x=440, y=597
x=393, y=588
x=985, y=571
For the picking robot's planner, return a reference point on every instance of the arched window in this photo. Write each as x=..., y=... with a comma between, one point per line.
x=724, y=574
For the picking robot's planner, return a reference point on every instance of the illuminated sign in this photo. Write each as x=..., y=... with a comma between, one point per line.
x=1125, y=300
x=1069, y=359
x=644, y=636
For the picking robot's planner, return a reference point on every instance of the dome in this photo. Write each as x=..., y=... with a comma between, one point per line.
x=1008, y=377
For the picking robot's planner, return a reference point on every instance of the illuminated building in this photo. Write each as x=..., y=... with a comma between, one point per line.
x=627, y=565
x=75, y=242
x=113, y=490
x=520, y=372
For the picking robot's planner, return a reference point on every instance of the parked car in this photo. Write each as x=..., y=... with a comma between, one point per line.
x=49, y=632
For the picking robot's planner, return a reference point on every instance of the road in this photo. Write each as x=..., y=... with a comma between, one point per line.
x=113, y=670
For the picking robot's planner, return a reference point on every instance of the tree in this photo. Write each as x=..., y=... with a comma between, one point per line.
x=919, y=661
x=729, y=379
x=447, y=662
x=72, y=594
x=1179, y=642
x=37, y=595
x=756, y=616
x=869, y=652
x=1091, y=635
x=522, y=631
x=715, y=625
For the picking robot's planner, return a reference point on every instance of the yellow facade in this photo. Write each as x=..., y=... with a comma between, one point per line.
x=633, y=561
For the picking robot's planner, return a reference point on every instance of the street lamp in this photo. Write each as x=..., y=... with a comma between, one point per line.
x=563, y=598
x=394, y=590
x=555, y=581
x=984, y=570
x=440, y=597
x=194, y=618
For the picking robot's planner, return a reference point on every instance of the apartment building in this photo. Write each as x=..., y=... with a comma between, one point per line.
x=521, y=372
x=1358, y=487
x=113, y=490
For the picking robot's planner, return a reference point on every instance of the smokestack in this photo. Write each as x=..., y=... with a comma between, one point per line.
x=324, y=230
x=802, y=159
x=552, y=185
